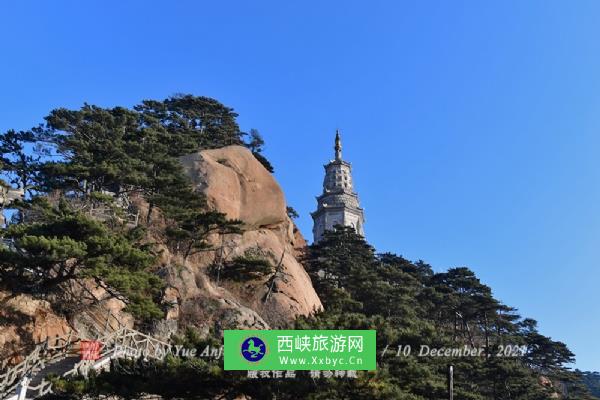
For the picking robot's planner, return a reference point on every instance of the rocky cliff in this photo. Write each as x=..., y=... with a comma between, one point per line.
x=236, y=184
x=25, y=321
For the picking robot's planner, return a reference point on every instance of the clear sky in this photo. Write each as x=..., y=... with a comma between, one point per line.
x=472, y=127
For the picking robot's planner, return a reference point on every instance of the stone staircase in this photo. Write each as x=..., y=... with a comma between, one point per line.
x=27, y=380
x=37, y=385
x=43, y=354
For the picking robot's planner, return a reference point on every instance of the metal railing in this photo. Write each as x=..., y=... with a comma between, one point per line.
x=122, y=343
x=42, y=354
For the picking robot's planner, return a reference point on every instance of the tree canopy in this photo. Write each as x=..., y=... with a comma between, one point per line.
x=409, y=305
x=81, y=171
x=82, y=168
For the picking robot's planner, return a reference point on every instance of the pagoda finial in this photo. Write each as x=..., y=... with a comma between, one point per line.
x=338, y=146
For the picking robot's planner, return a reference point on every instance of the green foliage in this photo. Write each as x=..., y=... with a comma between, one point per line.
x=193, y=227
x=263, y=160
x=252, y=265
x=193, y=122
x=255, y=145
x=18, y=164
x=293, y=214
x=128, y=151
x=92, y=157
x=410, y=305
x=407, y=304
x=592, y=381
x=61, y=244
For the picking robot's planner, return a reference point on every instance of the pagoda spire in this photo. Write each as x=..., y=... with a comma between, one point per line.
x=338, y=204
x=338, y=146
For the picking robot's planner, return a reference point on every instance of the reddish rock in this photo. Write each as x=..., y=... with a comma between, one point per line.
x=236, y=184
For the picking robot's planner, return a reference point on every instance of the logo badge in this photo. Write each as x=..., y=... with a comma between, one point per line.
x=90, y=349
x=253, y=349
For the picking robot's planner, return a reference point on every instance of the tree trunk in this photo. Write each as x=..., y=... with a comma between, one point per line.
x=487, y=334
x=149, y=215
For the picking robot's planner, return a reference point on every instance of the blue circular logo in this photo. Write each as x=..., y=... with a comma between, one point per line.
x=253, y=349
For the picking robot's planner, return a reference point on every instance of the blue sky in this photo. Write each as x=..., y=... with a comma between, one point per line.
x=472, y=127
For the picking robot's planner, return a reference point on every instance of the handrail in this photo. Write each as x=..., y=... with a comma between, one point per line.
x=42, y=354
x=131, y=342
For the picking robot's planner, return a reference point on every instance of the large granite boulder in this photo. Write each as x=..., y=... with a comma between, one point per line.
x=236, y=184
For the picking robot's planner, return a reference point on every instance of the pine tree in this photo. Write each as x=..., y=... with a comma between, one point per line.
x=58, y=244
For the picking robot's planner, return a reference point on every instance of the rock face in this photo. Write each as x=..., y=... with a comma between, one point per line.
x=100, y=313
x=236, y=184
x=26, y=321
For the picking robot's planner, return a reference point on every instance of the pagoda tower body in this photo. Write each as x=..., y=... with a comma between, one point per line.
x=338, y=205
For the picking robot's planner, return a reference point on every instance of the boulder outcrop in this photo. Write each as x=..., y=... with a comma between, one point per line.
x=27, y=321
x=236, y=184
